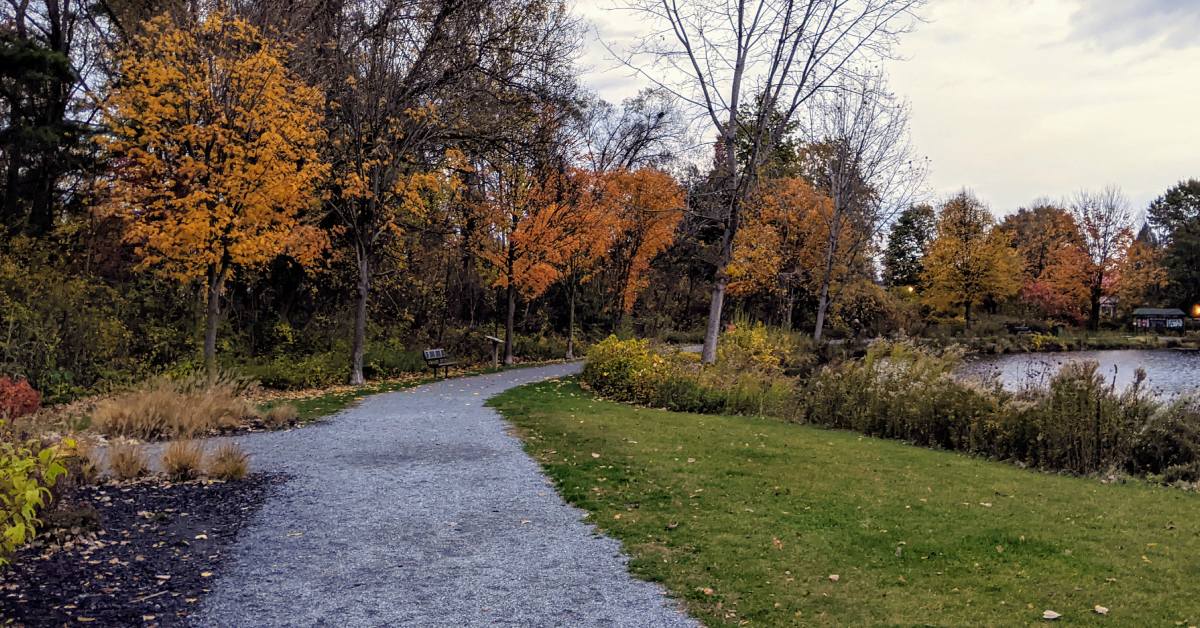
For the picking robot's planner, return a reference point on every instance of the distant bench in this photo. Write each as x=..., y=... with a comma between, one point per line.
x=437, y=359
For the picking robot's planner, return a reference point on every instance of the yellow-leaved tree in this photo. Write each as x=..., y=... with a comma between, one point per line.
x=783, y=246
x=214, y=150
x=970, y=260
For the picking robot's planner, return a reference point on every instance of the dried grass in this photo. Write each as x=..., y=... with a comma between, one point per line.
x=228, y=462
x=281, y=416
x=175, y=409
x=127, y=461
x=183, y=460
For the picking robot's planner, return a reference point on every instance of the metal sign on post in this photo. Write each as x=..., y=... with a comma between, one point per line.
x=496, y=342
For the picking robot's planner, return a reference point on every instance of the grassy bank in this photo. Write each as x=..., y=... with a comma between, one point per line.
x=1074, y=340
x=748, y=519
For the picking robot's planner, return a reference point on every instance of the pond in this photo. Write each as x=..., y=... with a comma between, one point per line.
x=1168, y=372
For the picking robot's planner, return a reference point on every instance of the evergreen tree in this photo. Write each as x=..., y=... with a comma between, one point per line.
x=1175, y=217
x=910, y=236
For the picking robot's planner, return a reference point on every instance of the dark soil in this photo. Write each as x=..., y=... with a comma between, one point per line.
x=141, y=553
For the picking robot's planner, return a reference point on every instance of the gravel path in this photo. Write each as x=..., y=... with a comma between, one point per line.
x=418, y=508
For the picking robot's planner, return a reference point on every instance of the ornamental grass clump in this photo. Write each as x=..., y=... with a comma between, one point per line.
x=228, y=462
x=167, y=408
x=281, y=416
x=183, y=460
x=127, y=461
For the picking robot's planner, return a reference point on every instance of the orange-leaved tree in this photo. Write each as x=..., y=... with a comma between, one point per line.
x=593, y=225
x=213, y=144
x=1141, y=275
x=533, y=227
x=649, y=205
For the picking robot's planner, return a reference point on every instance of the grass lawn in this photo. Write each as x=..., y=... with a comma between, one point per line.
x=748, y=520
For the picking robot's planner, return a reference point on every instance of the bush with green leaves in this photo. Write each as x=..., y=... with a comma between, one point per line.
x=28, y=471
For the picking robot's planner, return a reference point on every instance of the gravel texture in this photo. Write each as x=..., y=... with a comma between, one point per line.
x=419, y=508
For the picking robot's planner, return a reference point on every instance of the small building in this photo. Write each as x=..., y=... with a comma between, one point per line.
x=1108, y=307
x=1159, y=318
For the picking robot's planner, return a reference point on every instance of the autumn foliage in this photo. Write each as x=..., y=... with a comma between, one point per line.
x=970, y=260
x=648, y=204
x=214, y=143
x=17, y=398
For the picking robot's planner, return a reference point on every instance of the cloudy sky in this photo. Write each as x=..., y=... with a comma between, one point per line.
x=1020, y=99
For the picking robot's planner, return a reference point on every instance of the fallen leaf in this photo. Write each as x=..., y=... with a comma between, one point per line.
x=777, y=543
x=1051, y=615
x=595, y=455
x=205, y=574
x=834, y=577
x=1100, y=610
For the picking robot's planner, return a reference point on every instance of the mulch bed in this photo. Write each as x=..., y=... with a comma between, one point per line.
x=141, y=553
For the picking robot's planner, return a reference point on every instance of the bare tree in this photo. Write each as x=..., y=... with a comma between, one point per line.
x=770, y=55
x=863, y=161
x=1106, y=224
x=642, y=131
x=406, y=80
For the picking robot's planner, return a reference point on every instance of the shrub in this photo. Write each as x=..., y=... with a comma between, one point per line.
x=900, y=391
x=745, y=346
x=289, y=372
x=747, y=378
x=17, y=398
x=27, y=472
x=545, y=347
x=174, y=409
x=182, y=459
x=228, y=462
x=281, y=416
x=127, y=461
x=625, y=370
x=1170, y=439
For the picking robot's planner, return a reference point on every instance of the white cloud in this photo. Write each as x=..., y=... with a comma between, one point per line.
x=1018, y=99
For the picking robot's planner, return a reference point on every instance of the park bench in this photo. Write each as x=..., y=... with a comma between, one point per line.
x=437, y=359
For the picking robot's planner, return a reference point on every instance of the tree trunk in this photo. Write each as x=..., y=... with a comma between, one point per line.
x=720, y=278
x=822, y=310
x=571, y=320
x=508, y=324
x=711, y=333
x=789, y=304
x=216, y=282
x=1094, y=311
x=359, y=344
x=826, y=279
x=967, y=315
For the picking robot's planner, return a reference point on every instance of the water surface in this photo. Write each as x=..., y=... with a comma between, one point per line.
x=1169, y=372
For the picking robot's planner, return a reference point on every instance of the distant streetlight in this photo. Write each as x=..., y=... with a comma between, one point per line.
x=912, y=289
x=1196, y=311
